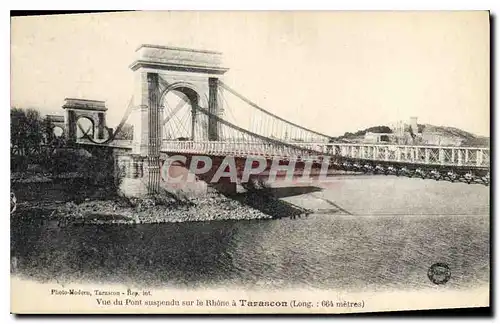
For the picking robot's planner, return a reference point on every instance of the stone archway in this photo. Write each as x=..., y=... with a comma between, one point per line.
x=55, y=126
x=85, y=126
x=93, y=110
x=188, y=101
x=58, y=131
x=159, y=69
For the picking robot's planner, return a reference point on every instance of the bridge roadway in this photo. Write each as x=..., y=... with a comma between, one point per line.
x=468, y=164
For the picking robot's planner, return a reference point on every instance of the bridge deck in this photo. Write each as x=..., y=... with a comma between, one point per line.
x=425, y=155
x=472, y=157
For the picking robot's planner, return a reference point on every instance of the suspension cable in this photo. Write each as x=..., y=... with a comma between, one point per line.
x=251, y=103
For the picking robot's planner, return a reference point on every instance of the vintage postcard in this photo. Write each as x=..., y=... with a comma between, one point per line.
x=250, y=162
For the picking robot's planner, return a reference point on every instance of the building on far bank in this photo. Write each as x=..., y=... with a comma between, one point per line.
x=413, y=127
x=371, y=137
x=402, y=133
x=406, y=133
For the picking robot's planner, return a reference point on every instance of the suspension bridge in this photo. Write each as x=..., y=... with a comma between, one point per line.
x=181, y=106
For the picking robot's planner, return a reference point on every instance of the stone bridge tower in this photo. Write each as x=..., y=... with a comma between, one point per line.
x=92, y=110
x=158, y=70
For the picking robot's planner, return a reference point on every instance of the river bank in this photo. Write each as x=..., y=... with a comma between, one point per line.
x=212, y=206
x=73, y=198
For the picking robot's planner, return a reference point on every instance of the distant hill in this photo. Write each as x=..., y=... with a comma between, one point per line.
x=374, y=129
x=457, y=134
x=430, y=135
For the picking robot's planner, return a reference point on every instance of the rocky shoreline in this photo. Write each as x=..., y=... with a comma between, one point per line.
x=71, y=199
x=212, y=206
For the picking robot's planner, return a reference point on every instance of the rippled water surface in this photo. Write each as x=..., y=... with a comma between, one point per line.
x=389, y=250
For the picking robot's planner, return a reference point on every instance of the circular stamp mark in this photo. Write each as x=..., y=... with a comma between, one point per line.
x=439, y=273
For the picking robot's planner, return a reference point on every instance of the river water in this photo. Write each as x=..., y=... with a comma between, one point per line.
x=367, y=233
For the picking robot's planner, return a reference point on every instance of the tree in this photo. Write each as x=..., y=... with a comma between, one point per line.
x=26, y=131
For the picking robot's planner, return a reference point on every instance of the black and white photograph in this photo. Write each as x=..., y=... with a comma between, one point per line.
x=249, y=162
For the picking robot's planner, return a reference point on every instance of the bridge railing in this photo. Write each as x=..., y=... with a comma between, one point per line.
x=234, y=148
x=438, y=155
x=427, y=155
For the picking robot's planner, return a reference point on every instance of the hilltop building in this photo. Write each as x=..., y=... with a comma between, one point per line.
x=371, y=137
x=402, y=133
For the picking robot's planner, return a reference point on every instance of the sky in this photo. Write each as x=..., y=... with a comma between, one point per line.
x=332, y=72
